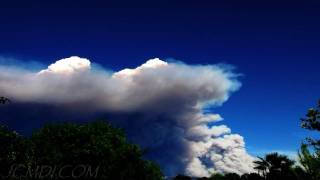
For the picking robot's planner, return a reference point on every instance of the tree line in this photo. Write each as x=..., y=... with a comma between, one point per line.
x=73, y=151
x=99, y=151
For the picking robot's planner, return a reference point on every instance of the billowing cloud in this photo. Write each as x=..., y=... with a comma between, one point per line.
x=159, y=104
x=67, y=66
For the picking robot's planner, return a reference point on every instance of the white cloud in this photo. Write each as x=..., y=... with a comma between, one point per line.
x=67, y=66
x=150, y=64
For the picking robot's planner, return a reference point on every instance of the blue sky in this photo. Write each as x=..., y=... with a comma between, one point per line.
x=275, y=46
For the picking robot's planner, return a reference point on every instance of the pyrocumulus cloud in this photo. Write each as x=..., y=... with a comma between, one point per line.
x=159, y=104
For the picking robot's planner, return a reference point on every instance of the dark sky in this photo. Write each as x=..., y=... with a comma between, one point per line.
x=274, y=45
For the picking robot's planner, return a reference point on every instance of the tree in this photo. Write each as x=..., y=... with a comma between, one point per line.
x=276, y=166
x=261, y=166
x=301, y=173
x=312, y=122
x=96, y=144
x=14, y=149
x=232, y=176
x=95, y=148
x=4, y=100
x=217, y=176
x=182, y=177
x=251, y=176
x=310, y=162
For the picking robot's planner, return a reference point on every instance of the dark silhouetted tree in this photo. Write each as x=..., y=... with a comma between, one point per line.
x=182, y=177
x=232, y=176
x=14, y=149
x=4, y=100
x=310, y=162
x=96, y=144
x=277, y=166
x=301, y=173
x=312, y=122
x=217, y=176
x=261, y=166
x=251, y=176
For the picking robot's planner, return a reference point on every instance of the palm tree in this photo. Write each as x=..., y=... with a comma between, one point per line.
x=261, y=166
x=274, y=166
x=278, y=162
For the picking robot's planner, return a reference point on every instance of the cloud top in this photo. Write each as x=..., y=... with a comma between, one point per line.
x=67, y=66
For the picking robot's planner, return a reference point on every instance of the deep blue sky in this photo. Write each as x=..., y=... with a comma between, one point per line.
x=274, y=45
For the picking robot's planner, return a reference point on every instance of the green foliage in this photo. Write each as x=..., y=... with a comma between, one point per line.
x=217, y=176
x=251, y=176
x=301, y=173
x=232, y=176
x=14, y=149
x=310, y=162
x=97, y=145
x=275, y=166
x=312, y=122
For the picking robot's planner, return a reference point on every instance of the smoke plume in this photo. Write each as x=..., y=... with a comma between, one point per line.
x=160, y=105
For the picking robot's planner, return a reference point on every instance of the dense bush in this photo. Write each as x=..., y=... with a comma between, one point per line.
x=94, y=150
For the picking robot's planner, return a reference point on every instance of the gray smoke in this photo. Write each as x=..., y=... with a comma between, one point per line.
x=160, y=105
